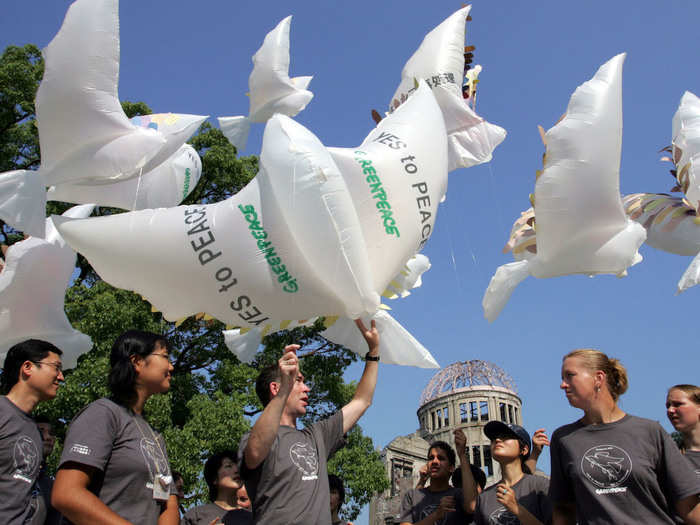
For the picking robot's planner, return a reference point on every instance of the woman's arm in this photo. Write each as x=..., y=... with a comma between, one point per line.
x=170, y=514
x=563, y=514
x=71, y=497
x=689, y=509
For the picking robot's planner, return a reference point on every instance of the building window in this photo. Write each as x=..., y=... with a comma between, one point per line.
x=445, y=417
x=432, y=418
x=463, y=414
x=502, y=410
x=488, y=461
x=484, y=409
x=510, y=414
x=473, y=411
x=400, y=469
x=515, y=414
x=476, y=456
x=439, y=418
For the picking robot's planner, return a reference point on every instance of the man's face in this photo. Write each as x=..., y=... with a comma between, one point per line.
x=47, y=374
x=439, y=464
x=47, y=437
x=180, y=489
x=298, y=398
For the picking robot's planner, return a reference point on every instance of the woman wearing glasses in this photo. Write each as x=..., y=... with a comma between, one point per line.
x=114, y=467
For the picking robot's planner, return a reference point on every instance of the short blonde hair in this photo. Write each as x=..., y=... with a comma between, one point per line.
x=615, y=373
x=692, y=391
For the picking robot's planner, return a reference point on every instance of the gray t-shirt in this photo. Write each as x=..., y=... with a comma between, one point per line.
x=628, y=471
x=291, y=485
x=20, y=459
x=204, y=514
x=127, y=452
x=693, y=457
x=531, y=492
x=418, y=504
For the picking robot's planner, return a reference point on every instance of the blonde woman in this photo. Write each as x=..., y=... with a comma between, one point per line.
x=609, y=466
x=683, y=411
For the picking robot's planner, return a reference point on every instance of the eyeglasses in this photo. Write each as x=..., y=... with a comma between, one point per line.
x=57, y=366
x=164, y=356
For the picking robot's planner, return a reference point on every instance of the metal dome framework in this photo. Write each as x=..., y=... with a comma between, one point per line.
x=467, y=374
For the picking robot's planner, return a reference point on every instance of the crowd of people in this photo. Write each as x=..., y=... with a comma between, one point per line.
x=608, y=467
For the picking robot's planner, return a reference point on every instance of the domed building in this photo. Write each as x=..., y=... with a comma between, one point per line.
x=464, y=395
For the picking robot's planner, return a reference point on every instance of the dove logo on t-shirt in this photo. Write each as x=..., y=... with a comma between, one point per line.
x=607, y=467
x=303, y=455
x=26, y=459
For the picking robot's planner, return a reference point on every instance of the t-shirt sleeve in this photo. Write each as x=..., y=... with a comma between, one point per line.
x=407, y=507
x=560, y=489
x=331, y=430
x=478, y=514
x=90, y=436
x=675, y=473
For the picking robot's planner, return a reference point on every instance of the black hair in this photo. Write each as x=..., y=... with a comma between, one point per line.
x=443, y=445
x=29, y=350
x=269, y=374
x=477, y=473
x=42, y=419
x=122, y=376
x=211, y=469
x=335, y=484
x=176, y=475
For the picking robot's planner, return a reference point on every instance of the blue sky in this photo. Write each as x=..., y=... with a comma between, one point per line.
x=197, y=60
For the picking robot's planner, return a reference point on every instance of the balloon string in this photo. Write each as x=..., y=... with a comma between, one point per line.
x=138, y=187
x=452, y=256
x=494, y=199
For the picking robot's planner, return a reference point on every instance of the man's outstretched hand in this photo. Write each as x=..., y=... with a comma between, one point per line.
x=371, y=336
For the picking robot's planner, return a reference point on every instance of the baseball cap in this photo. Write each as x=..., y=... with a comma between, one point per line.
x=494, y=429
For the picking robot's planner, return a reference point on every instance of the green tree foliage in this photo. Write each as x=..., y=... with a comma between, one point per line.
x=212, y=397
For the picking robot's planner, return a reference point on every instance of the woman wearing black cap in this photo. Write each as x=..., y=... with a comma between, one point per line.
x=519, y=497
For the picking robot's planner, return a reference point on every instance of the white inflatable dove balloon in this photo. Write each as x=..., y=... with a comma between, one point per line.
x=440, y=62
x=314, y=234
x=271, y=89
x=580, y=220
x=32, y=288
x=85, y=136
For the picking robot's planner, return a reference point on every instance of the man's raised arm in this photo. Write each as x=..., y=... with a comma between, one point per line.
x=263, y=434
x=365, y=389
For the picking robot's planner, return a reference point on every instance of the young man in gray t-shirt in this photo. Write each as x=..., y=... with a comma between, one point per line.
x=284, y=469
x=31, y=374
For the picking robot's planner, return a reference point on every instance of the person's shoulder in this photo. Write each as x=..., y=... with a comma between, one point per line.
x=194, y=514
x=536, y=482
x=629, y=419
x=102, y=408
x=567, y=429
x=8, y=409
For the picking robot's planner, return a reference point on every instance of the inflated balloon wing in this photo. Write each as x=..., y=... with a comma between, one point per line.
x=32, y=287
x=579, y=217
x=271, y=89
x=686, y=147
x=315, y=233
x=23, y=201
x=440, y=62
x=166, y=185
